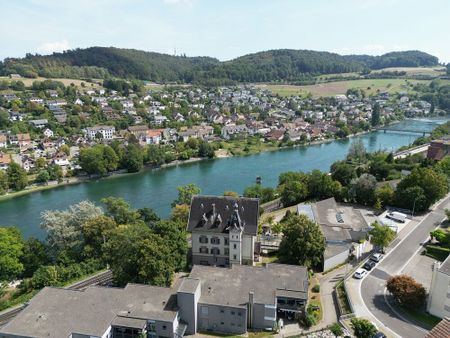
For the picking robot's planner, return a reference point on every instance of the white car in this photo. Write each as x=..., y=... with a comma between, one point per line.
x=376, y=257
x=360, y=273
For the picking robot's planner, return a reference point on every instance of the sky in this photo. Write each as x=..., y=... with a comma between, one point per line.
x=226, y=29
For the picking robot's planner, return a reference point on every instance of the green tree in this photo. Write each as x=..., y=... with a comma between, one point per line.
x=376, y=112
x=321, y=186
x=120, y=210
x=357, y=152
x=65, y=149
x=385, y=194
x=136, y=254
x=342, y=172
x=363, y=328
x=185, y=194
x=133, y=159
x=17, y=176
x=362, y=189
x=45, y=276
x=42, y=177
x=34, y=256
x=95, y=232
x=148, y=215
x=407, y=291
x=265, y=194
x=231, y=194
x=381, y=235
x=11, y=249
x=293, y=192
x=302, y=243
x=205, y=150
x=3, y=182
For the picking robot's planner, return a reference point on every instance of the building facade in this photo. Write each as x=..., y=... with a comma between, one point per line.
x=224, y=300
x=439, y=295
x=107, y=132
x=223, y=230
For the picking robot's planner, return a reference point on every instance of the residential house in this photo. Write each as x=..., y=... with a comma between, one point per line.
x=36, y=100
x=234, y=131
x=159, y=119
x=223, y=230
x=48, y=132
x=5, y=160
x=106, y=132
x=3, y=141
x=40, y=124
x=438, y=149
x=23, y=140
x=60, y=159
x=154, y=136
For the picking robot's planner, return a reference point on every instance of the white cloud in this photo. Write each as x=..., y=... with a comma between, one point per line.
x=55, y=46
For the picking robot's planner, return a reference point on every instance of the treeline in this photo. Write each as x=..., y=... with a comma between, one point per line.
x=268, y=66
x=86, y=238
x=363, y=178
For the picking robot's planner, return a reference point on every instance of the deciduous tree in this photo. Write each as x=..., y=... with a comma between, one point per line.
x=381, y=235
x=363, y=328
x=407, y=291
x=11, y=249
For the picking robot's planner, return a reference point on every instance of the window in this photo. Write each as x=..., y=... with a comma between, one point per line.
x=232, y=313
x=204, y=310
x=222, y=323
x=226, y=241
x=215, y=251
x=203, y=250
x=164, y=327
x=227, y=251
x=222, y=311
x=240, y=314
x=234, y=257
x=203, y=239
x=215, y=240
x=234, y=246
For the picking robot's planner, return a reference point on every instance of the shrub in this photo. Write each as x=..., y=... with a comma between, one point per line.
x=336, y=329
x=316, y=288
x=437, y=252
x=363, y=328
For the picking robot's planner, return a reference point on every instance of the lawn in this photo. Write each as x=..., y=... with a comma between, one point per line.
x=425, y=319
x=252, y=145
x=77, y=82
x=371, y=86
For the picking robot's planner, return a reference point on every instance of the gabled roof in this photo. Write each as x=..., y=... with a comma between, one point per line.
x=219, y=214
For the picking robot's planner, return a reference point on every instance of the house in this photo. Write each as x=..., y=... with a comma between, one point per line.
x=60, y=159
x=38, y=123
x=5, y=160
x=438, y=303
x=28, y=163
x=154, y=136
x=138, y=131
x=275, y=135
x=223, y=230
x=36, y=100
x=441, y=330
x=233, y=130
x=3, y=141
x=159, y=119
x=106, y=132
x=438, y=149
x=48, y=132
x=23, y=140
x=224, y=300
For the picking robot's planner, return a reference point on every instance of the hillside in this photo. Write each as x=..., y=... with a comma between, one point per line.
x=268, y=66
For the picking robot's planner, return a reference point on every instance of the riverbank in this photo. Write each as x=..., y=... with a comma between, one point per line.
x=223, y=153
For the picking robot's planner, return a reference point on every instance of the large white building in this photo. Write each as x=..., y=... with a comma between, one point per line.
x=223, y=230
x=439, y=296
x=107, y=132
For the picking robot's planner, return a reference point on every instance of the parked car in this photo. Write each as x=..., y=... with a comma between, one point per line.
x=360, y=273
x=379, y=335
x=397, y=216
x=376, y=257
x=369, y=265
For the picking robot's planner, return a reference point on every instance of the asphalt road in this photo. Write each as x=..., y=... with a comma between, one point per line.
x=372, y=287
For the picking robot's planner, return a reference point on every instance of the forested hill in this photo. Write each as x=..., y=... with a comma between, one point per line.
x=268, y=66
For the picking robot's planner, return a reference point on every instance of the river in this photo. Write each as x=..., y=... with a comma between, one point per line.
x=157, y=188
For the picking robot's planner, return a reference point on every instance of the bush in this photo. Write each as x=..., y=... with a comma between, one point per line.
x=437, y=252
x=316, y=288
x=363, y=328
x=307, y=320
x=336, y=329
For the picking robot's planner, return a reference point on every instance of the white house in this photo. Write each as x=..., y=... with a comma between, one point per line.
x=48, y=132
x=439, y=295
x=107, y=132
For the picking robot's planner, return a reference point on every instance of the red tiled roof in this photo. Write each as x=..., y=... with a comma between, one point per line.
x=442, y=330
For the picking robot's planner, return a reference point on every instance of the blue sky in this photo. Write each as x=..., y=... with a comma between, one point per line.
x=226, y=28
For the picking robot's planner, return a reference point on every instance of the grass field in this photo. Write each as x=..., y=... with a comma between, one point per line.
x=371, y=86
x=410, y=71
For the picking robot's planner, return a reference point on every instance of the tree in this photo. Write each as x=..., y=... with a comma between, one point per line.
x=64, y=228
x=342, y=172
x=65, y=149
x=362, y=189
x=120, y=210
x=185, y=193
x=407, y=291
x=95, y=232
x=265, y=194
x=148, y=215
x=357, y=152
x=302, y=243
x=17, y=176
x=293, y=192
x=381, y=235
x=380, y=169
x=205, y=150
x=384, y=194
x=3, y=182
x=231, y=194
x=45, y=276
x=34, y=256
x=376, y=112
x=133, y=159
x=100, y=159
x=136, y=254
x=42, y=177
x=363, y=328
x=11, y=249
x=433, y=186
x=180, y=215
x=321, y=186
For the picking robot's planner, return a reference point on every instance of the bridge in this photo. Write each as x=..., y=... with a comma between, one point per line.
x=412, y=131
